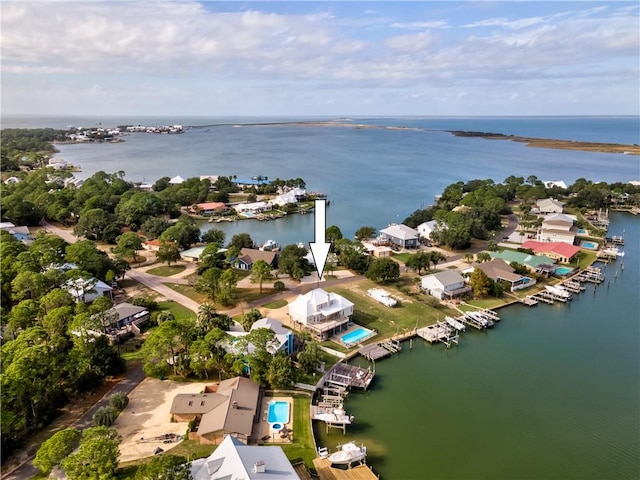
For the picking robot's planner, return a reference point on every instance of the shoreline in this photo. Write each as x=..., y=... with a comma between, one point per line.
x=556, y=144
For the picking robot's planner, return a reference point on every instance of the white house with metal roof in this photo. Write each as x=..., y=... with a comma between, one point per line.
x=445, y=285
x=401, y=235
x=323, y=313
x=235, y=460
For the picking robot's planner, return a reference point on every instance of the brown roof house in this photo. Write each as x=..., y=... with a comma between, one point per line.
x=248, y=256
x=228, y=408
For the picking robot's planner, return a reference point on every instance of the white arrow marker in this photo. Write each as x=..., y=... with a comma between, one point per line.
x=320, y=248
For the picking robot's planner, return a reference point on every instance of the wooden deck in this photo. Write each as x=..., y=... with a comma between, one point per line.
x=326, y=472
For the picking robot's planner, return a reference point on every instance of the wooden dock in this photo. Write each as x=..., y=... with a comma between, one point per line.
x=327, y=472
x=380, y=350
x=345, y=375
x=529, y=300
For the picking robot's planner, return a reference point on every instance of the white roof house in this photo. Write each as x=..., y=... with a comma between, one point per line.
x=292, y=196
x=401, y=235
x=283, y=336
x=550, y=205
x=323, y=313
x=554, y=183
x=425, y=229
x=255, y=207
x=558, y=228
x=57, y=163
x=235, y=460
x=446, y=284
x=176, y=180
x=11, y=180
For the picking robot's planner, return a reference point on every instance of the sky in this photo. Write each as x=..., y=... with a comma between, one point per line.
x=343, y=58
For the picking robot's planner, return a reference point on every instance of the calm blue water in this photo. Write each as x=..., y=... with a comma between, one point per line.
x=278, y=412
x=551, y=392
x=373, y=176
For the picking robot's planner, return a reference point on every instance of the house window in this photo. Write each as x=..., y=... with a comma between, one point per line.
x=190, y=403
x=202, y=403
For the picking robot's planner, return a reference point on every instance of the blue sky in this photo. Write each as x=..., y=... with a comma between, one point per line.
x=320, y=58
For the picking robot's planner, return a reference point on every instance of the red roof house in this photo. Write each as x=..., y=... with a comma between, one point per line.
x=563, y=252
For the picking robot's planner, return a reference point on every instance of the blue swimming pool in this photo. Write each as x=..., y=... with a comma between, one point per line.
x=582, y=231
x=278, y=412
x=355, y=335
x=563, y=270
x=589, y=245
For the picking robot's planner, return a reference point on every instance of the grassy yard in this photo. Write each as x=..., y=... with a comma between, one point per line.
x=411, y=310
x=275, y=304
x=242, y=294
x=179, y=311
x=302, y=447
x=167, y=271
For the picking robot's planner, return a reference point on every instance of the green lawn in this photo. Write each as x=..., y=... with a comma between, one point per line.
x=302, y=447
x=242, y=294
x=275, y=304
x=167, y=271
x=411, y=312
x=179, y=311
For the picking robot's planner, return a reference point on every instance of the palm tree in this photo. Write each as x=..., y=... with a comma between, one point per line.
x=206, y=313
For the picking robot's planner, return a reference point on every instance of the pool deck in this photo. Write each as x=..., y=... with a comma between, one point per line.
x=262, y=432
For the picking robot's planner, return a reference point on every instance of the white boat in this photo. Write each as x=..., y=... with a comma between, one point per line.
x=333, y=416
x=558, y=290
x=613, y=252
x=348, y=453
x=269, y=245
x=455, y=324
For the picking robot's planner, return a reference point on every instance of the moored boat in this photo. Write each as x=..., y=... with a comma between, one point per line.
x=348, y=453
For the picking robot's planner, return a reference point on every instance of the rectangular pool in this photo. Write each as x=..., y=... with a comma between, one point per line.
x=355, y=335
x=278, y=412
x=589, y=245
x=563, y=270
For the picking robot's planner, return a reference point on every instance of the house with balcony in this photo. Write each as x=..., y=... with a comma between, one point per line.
x=324, y=314
x=548, y=205
x=248, y=256
x=500, y=271
x=558, y=227
x=282, y=341
x=401, y=236
x=445, y=285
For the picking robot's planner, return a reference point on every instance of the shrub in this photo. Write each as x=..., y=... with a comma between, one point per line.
x=105, y=416
x=278, y=286
x=145, y=302
x=118, y=401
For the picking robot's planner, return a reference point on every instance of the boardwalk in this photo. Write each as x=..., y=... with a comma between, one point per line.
x=326, y=472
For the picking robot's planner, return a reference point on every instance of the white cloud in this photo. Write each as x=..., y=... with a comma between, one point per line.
x=421, y=25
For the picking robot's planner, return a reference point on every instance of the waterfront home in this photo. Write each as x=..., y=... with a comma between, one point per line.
x=283, y=337
x=499, y=270
x=74, y=182
x=253, y=208
x=558, y=227
x=322, y=313
x=445, y=285
x=57, y=163
x=532, y=262
x=560, y=251
x=227, y=408
x=233, y=459
x=425, y=229
x=293, y=196
x=400, y=235
x=209, y=208
x=248, y=256
x=548, y=205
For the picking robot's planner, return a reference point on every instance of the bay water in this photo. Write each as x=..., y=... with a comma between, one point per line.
x=552, y=392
